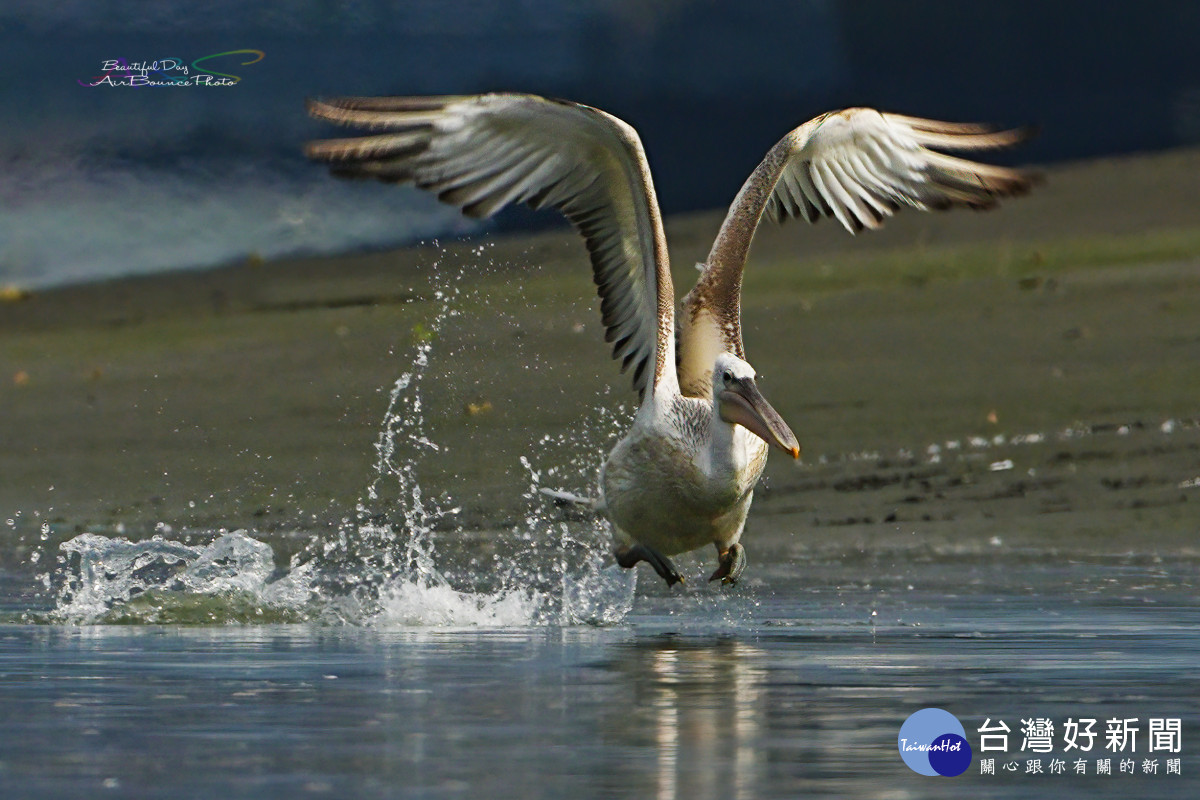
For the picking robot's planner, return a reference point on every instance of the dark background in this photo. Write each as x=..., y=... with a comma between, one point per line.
x=710, y=85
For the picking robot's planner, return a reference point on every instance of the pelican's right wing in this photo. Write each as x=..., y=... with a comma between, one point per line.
x=482, y=153
x=858, y=166
x=861, y=165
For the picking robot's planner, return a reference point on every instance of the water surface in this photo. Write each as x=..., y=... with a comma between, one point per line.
x=788, y=687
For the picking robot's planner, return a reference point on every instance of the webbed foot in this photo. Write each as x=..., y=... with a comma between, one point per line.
x=732, y=564
x=630, y=555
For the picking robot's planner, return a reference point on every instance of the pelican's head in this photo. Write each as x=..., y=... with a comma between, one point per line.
x=739, y=402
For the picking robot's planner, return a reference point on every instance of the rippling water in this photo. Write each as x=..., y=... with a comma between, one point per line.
x=234, y=676
x=794, y=686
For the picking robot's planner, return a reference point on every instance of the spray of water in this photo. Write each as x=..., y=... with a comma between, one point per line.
x=113, y=579
x=557, y=571
x=388, y=540
x=386, y=564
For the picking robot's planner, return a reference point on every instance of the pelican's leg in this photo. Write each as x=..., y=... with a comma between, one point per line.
x=732, y=563
x=630, y=554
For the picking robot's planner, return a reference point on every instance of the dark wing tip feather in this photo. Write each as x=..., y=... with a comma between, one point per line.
x=1023, y=133
x=315, y=107
x=367, y=148
x=321, y=106
x=963, y=135
x=330, y=110
x=490, y=167
x=1003, y=138
x=430, y=103
x=1026, y=180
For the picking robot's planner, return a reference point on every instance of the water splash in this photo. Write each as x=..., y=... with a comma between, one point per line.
x=382, y=565
x=553, y=572
x=417, y=603
x=399, y=560
x=159, y=580
x=590, y=588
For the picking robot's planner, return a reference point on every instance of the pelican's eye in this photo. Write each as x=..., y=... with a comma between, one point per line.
x=727, y=376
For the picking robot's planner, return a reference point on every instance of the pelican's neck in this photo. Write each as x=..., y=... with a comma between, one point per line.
x=711, y=322
x=731, y=248
x=727, y=258
x=727, y=453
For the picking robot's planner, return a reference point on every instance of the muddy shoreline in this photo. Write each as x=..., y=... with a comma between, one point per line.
x=1025, y=378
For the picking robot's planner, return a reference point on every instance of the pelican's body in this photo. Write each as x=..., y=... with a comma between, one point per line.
x=684, y=475
x=681, y=479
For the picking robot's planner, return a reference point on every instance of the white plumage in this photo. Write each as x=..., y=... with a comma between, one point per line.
x=684, y=475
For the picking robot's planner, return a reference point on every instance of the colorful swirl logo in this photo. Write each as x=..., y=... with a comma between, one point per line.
x=235, y=78
x=933, y=742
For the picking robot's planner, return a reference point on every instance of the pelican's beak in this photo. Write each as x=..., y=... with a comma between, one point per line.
x=744, y=405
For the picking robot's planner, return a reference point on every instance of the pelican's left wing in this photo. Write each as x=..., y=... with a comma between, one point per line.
x=484, y=152
x=858, y=166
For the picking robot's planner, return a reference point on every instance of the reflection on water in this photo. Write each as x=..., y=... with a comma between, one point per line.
x=800, y=698
x=706, y=699
x=693, y=712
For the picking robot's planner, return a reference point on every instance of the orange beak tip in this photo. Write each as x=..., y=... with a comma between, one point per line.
x=796, y=452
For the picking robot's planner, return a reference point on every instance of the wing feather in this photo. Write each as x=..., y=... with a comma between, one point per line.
x=858, y=166
x=485, y=152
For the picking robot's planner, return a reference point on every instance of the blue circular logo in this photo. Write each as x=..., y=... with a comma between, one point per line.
x=933, y=742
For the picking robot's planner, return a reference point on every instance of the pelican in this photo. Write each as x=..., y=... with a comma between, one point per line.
x=684, y=475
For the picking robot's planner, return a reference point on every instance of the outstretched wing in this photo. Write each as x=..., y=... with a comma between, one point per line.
x=482, y=153
x=859, y=166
